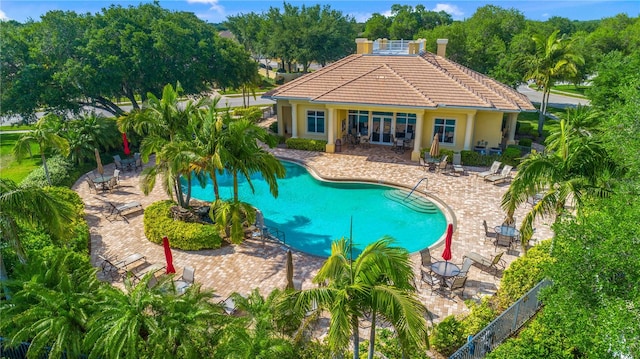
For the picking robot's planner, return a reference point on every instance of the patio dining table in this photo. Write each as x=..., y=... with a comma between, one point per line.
x=103, y=181
x=509, y=232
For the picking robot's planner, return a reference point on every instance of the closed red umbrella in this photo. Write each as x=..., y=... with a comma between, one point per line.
x=168, y=255
x=127, y=151
x=446, y=255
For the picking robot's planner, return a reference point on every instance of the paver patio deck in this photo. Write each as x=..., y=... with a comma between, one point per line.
x=254, y=264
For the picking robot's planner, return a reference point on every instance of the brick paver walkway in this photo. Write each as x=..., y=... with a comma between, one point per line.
x=466, y=201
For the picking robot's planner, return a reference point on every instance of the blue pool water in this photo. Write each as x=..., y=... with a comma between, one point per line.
x=314, y=213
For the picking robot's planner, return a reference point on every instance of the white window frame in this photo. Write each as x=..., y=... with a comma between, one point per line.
x=316, y=116
x=445, y=128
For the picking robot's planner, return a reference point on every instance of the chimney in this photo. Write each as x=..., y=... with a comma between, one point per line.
x=442, y=47
x=364, y=46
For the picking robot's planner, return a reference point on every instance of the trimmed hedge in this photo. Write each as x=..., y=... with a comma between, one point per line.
x=59, y=171
x=187, y=236
x=525, y=142
x=306, y=144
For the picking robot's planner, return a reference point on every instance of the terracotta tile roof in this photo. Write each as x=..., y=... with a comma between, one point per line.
x=426, y=81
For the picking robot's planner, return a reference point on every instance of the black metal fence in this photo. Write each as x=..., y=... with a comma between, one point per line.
x=503, y=326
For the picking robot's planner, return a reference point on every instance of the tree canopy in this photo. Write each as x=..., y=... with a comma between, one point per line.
x=68, y=61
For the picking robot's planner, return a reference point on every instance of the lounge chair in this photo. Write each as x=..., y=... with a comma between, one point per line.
x=492, y=171
x=457, y=164
x=186, y=281
x=500, y=177
x=487, y=263
x=119, y=211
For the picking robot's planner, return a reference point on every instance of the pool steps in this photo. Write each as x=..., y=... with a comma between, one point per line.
x=414, y=202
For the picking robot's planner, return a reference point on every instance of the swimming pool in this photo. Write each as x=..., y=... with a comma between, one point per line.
x=314, y=213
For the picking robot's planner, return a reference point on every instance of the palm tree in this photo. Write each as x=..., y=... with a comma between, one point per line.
x=33, y=206
x=165, y=122
x=51, y=307
x=88, y=133
x=45, y=135
x=379, y=281
x=241, y=154
x=554, y=60
x=256, y=334
x=208, y=137
x=574, y=165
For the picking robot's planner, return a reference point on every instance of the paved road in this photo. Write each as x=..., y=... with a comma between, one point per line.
x=226, y=101
x=555, y=100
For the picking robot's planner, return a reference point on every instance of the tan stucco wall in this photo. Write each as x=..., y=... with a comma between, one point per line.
x=488, y=128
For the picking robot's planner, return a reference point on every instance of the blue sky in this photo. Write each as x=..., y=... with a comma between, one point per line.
x=218, y=10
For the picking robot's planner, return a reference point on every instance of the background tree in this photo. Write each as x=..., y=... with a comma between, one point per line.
x=45, y=135
x=377, y=27
x=554, y=60
x=574, y=167
x=68, y=61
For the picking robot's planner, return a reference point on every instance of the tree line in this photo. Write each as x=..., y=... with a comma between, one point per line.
x=67, y=61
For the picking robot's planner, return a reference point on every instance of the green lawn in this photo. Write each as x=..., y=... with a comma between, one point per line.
x=576, y=90
x=530, y=120
x=9, y=167
x=15, y=128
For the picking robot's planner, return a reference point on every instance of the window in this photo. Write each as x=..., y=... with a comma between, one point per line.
x=405, y=124
x=445, y=129
x=358, y=122
x=315, y=121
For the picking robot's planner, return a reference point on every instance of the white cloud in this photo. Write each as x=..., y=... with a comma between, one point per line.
x=452, y=10
x=545, y=15
x=3, y=16
x=213, y=3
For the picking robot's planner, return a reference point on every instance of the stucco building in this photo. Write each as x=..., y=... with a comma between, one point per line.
x=393, y=90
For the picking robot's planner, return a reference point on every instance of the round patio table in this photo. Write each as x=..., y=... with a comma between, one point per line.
x=507, y=231
x=445, y=269
x=102, y=181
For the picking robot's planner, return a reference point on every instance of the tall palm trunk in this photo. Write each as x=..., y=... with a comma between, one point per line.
x=356, y=337
x=372, y=334
x=44, y=164
x=216, y=190
x=235, y=187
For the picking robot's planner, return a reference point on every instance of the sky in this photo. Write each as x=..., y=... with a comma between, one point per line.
x=216, y=11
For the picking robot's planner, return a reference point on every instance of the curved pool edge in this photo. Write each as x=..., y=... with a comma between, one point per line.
x=444, y=208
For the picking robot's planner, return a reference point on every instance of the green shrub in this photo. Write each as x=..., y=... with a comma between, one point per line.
x=524, y=273
x=273, y=127
x=472, y=158
x=188, y=236
x=511, y=156
x=306, y=144
x=448, y=336
x=59, y=172
x=525, y=142
x=388, y=345
x=447, y=153
x=524, y=128
x=78, y=238
x=252, y=113
x=481, y=314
